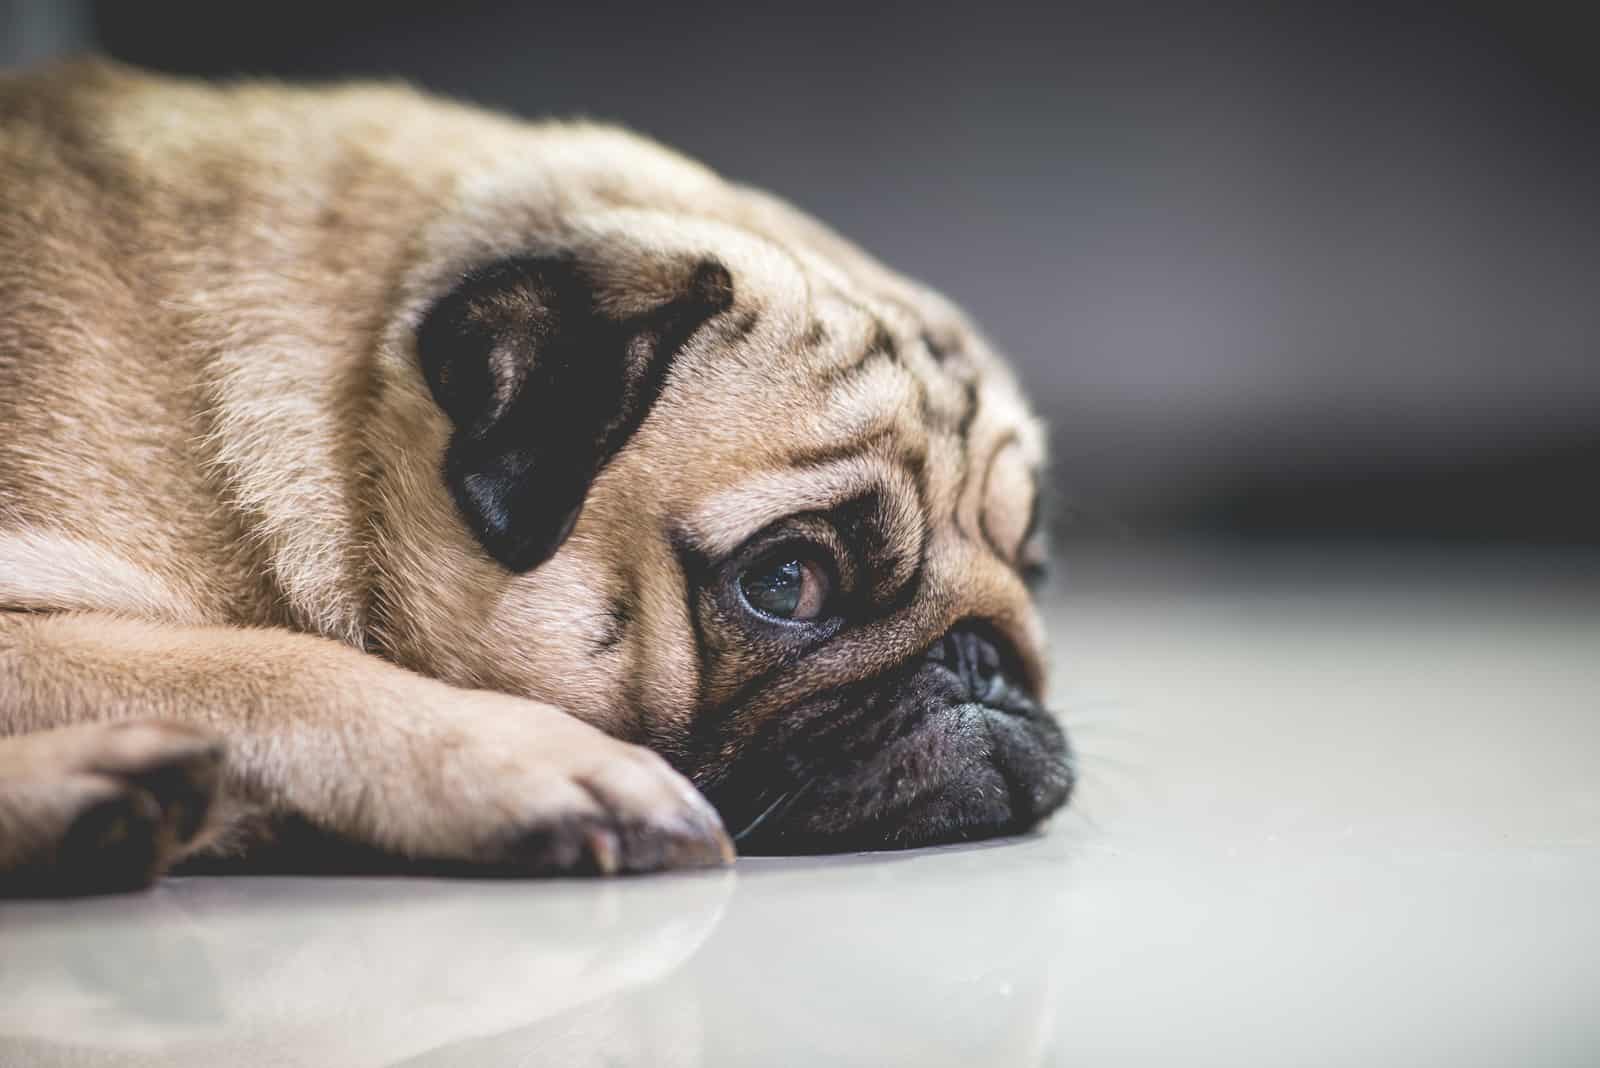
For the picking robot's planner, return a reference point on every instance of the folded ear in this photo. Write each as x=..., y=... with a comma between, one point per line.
x=543, y=386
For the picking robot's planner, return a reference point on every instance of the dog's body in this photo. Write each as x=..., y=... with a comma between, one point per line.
x=429, y=458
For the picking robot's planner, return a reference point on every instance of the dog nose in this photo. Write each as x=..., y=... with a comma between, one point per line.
x=983, y=661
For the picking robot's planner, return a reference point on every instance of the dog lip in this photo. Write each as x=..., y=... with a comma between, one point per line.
x=950, y=744
x=1018, y=776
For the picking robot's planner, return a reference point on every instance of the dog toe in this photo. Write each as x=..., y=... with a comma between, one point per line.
x=115, y=843
x=81, y=834
x=603, y=844
x=629, y=813
x=179, y=767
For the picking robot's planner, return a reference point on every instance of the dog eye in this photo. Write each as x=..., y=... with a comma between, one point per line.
x=788, y=586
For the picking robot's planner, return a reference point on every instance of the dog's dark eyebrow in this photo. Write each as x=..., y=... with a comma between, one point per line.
x=695, y=555
x=912, y=455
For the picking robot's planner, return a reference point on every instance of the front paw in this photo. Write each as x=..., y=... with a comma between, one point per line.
x=517, y=786
x=623, y=810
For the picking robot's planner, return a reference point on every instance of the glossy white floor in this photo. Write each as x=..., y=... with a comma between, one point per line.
x=1333, y=812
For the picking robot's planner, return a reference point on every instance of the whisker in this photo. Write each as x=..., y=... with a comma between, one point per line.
x=760, y=819
x=786, y=800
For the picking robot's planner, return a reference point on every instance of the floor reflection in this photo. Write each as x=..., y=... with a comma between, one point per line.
x=804, y=969
x=330, y=972
x=793, y=956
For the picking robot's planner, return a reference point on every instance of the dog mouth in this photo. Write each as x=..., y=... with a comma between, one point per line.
x=951, y=747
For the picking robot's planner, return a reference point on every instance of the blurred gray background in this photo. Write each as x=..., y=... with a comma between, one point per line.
x=1298, y=275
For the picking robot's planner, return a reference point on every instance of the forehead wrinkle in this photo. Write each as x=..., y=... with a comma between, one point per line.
x=731, y=517
x=986, y=497
x=998, y=416
x=871, y=400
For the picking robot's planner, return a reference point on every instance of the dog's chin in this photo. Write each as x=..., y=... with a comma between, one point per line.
x=921, y=763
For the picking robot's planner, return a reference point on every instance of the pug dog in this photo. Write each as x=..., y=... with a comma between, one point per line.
x=388, y=482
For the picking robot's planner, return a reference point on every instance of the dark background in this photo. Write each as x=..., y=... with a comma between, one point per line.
x=1293, y=275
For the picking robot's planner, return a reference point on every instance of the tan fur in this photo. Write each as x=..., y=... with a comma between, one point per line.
x=220, y=499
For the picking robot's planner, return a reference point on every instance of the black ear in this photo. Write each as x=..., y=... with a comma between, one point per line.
x=543, y=387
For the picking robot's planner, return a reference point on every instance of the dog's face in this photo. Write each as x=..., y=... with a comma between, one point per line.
x=729, y=488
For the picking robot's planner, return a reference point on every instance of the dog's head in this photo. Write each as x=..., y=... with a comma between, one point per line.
x=687, y=465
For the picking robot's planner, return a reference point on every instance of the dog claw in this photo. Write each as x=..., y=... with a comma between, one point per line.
x=606, y=851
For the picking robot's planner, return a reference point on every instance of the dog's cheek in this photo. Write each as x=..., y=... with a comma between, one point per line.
x=552, y=636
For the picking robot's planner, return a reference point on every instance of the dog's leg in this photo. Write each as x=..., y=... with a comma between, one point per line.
x=322, y=736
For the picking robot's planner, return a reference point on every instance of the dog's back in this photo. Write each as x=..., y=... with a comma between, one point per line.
x=188, y=322
x=195, y=281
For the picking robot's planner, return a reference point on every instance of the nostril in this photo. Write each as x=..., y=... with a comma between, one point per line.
x=984, y=656
x=981, y=659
